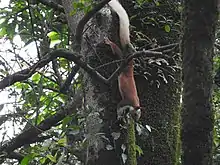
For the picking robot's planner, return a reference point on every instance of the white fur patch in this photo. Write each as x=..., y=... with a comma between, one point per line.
x=123, y=22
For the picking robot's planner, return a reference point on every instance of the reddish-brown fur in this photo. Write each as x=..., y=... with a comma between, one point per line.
x=127, y=85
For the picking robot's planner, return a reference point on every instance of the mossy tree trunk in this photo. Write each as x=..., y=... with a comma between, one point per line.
x=161, y=103
x=197, y=49
x=161, y=112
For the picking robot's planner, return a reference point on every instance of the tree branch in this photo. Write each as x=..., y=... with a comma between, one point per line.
x=26, y=73
x=66, y=84
x=31, y=135
x=16, y=155
x=4, y=118
x=55, y=67
x=164, y=47
x=52, y=5
x=129, y=58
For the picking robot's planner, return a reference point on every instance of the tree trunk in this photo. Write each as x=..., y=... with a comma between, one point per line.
x=197, y=50
x=161, y=104
x=161, y=112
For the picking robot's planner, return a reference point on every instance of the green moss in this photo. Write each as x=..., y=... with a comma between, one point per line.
x=131, y=141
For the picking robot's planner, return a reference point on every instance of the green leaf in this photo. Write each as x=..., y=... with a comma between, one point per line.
x=157, y=3
x=87, y=9
x=53, y=35
x=21, y=85
x=3, y=32
x=51, y=157
x=139, y=150
x=140, y=2
x=63, y=63
x=167, y=28
x=66, y=121
x=26, y=160
x=36, y=77
x=60, y=160
x=62, y=141
x=43, y=160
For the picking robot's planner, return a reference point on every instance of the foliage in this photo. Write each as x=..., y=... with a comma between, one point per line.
x=37, y=98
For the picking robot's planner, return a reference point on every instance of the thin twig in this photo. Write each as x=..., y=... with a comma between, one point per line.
x=56, y=71
x=162, y=48
x=69, y=79
x=32, y=28
x=126, y=61
x=52, y=5
x=109, y=63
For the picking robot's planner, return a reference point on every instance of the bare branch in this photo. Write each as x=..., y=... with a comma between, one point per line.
x=4, y=118
x=164, y=47
x=26, y=73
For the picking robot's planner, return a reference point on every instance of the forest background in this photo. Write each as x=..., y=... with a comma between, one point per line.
x=61, y=106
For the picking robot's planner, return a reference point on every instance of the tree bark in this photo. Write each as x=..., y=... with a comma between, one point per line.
x=161, y=111
x=199, y=19
x=161, y=105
